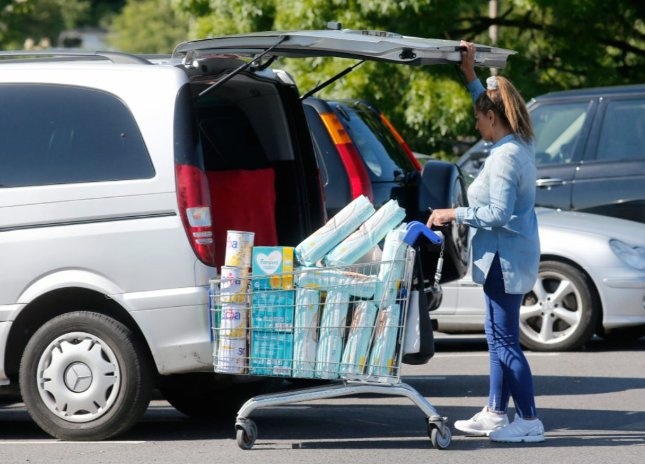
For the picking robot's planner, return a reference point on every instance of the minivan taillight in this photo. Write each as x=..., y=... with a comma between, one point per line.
x=359, y=181
x=193, y=198
x=402, y=142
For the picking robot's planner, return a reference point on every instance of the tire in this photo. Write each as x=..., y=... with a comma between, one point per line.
x=561, y=313
x=84, y=376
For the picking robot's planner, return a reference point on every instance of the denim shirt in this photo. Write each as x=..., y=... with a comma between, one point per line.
x=501, y=209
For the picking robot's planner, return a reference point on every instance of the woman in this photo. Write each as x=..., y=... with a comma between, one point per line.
x=505, y=248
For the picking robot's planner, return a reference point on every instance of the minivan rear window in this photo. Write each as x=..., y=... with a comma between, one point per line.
x=54, y=134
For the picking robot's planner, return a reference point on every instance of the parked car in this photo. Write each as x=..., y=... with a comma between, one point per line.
x=119, y=180
x=590, y=150
x=591, y=281
x=361, y=152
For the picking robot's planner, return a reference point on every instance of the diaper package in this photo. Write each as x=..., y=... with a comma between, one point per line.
x=353, y=283
x=381, y=362
x=392, y=267
x=272, y=310
x=333, y=324
x=370, y=233
x=314, y=247
x=271, y=353
x=305, y=332
x=359, y=339
x=274, y=262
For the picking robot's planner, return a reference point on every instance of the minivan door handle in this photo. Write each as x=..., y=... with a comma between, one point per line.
x=548, y=182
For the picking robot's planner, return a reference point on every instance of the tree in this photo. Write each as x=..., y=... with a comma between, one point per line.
x=38, y=20
x=148, y=26
x=560, y=45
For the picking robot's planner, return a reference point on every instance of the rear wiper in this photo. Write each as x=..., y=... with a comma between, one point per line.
x=241, y=68
x=332, y=79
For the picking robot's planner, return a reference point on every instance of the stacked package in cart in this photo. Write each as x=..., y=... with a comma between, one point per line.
x=338, y=315
x=272, y=301
x=352, y=304
x=230, y=347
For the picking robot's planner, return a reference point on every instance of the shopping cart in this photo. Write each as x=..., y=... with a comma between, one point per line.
x=346, y=324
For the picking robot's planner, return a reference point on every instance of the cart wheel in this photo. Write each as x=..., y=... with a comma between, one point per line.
x=439, y=436
x=246, y=433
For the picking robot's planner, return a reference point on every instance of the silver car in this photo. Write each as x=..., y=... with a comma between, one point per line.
x=591, y=281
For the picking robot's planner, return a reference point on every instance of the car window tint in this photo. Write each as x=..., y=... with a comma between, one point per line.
x=557, y=131
x=382, y=154
x=58, y=134
x=622, y=136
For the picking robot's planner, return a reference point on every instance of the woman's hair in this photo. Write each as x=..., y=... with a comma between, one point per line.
x=505, y=101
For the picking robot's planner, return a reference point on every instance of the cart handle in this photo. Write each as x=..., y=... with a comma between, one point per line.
x=416, y=228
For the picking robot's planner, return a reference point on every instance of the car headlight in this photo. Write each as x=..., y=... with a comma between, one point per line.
x=633, y=256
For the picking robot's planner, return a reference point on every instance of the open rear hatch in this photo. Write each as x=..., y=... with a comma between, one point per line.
x=356, y=44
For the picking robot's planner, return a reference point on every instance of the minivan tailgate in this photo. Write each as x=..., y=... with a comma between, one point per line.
x=357, y=44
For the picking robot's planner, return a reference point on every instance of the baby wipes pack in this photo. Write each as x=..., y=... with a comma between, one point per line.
x=274, y=262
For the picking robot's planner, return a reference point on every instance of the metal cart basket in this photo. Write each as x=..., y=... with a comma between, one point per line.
x=346, y=324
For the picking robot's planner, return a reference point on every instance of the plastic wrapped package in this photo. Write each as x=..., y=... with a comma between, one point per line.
x=305, y=332
x=357, y=348
x=368, y=235
x=315, y=247
x=333, y=324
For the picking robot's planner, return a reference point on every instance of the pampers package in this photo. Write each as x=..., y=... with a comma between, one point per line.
x=274, y=262
x=368, y=235
x=383, y=351
x=333, y=323
x=359, y=339
x=271, y=353
x=272, y=310
x=305, y=332
x=314, y=247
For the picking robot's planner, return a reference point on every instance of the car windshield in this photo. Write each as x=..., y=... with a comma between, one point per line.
x=382, y=154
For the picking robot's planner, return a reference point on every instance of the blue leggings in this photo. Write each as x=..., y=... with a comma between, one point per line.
x=510, y=374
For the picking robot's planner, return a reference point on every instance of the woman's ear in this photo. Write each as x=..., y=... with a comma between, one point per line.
x=490, y=115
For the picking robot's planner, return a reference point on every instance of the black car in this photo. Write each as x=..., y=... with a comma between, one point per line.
x=590, y=150
x=361, y=153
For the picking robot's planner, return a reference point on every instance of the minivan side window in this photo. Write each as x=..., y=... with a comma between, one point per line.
x=54, y=134
x=622, y=137
x=557, y=130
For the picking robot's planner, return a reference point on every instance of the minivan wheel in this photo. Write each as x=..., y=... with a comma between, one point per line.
x=560, y=313
x=84, y=376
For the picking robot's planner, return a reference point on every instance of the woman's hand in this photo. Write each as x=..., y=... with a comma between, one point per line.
x=467, y=64
x=441, y=217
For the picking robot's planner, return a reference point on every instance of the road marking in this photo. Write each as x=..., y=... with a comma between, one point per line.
x=485, y=354
x=61, y=442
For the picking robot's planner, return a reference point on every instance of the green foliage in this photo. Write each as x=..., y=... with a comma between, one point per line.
x=560, y=45
x=148, y=26
x=38, y=21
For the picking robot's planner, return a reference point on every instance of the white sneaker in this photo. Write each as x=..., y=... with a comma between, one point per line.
x=482, y=423
x=520, y=431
